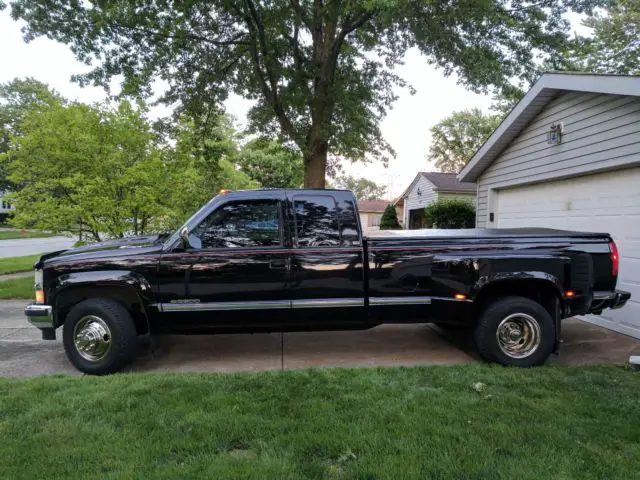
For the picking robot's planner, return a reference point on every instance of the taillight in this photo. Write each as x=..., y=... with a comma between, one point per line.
x=615, y=258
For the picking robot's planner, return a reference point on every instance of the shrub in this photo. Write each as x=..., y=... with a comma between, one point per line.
x=389, y=220
x=453, y=213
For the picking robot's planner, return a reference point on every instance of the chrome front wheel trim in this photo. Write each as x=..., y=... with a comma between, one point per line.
x=519, y=335
x=92, y=338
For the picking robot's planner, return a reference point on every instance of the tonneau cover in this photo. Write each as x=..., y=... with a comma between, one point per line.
x=436, y=233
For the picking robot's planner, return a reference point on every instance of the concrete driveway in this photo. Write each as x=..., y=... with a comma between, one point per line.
x=24, y=354
x=33, y=246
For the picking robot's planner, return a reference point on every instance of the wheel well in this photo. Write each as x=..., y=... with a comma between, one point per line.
x=540, y=291
x=122, y=294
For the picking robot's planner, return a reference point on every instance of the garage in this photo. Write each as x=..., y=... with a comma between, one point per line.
x=606, y=202
x=568, y=157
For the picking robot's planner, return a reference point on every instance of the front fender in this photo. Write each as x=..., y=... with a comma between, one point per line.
x=64, y=289
x=126, y=278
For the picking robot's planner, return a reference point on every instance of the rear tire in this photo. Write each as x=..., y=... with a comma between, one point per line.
x=99, y=336
x=515, y=331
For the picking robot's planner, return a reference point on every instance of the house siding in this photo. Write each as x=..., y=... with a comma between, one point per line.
x=415, y=201
x=601, y=132
x=5, y=206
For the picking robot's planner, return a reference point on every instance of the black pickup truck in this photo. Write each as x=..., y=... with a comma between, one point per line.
x=286, y=260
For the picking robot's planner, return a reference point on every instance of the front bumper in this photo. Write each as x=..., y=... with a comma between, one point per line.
x=613, y=300
x=40, y=316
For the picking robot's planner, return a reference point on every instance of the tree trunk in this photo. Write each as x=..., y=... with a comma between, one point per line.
x=315, y=165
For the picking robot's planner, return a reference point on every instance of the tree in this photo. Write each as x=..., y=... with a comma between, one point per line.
x=18, y=98
x=450, y=213
x=389, y=220
x=88, y=169
x=615, y=45
x=321, y=73
x=456, y=139
x=362, y=188
x=201, y=157
x=271, y=164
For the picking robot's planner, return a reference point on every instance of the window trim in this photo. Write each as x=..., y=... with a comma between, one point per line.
x=294, y=235
x=280, y=246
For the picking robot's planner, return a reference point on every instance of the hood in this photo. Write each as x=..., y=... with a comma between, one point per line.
x=116, y=247
x=127, y=242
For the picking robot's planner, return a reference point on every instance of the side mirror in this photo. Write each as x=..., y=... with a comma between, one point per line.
x=189, y=241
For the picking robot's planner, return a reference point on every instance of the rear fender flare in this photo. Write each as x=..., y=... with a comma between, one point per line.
x=491, y=280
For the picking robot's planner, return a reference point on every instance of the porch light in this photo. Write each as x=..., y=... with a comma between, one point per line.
x=554, y=135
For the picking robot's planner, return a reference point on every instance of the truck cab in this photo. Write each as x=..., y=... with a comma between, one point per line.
x=266, y=259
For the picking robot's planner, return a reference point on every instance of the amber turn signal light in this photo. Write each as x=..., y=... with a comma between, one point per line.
x=569, y=293
x=39, y=296
x=460, y=296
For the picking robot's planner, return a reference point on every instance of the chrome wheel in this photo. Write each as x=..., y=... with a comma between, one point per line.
x=92, y=338
x=519, y=335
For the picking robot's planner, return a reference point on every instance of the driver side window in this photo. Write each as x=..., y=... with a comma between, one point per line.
x=241, y=224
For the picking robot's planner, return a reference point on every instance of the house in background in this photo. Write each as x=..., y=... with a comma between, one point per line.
x=370, y=213
x=430, y=187
x=5, y=207
x=568, y=157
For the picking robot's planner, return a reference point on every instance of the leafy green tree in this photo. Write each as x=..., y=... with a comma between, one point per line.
x=389, y=220
x=362, y=188
x=18, y=98
x=615, y=45
x=456, y=139
x=271, y=164
x=88, y=170
x=450, y=213
x=200, y=160
x=321, y=73
x=613, y=48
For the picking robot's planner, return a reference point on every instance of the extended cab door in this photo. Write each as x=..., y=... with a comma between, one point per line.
x=327, y=288
x=239, y=278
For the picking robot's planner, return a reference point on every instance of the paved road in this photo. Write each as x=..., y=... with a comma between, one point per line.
x=32, y=246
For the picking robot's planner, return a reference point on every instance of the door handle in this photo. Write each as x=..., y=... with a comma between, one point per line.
x=278, y=264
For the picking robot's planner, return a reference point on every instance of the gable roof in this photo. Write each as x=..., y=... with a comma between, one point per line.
x=449, y=182
x=372, y=206
x=548, y=86
x=446, y=182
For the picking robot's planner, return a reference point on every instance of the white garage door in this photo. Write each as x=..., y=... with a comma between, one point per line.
x=605, y=202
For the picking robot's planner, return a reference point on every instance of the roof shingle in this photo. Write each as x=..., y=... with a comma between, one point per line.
x=449, y=182
x=372, y=206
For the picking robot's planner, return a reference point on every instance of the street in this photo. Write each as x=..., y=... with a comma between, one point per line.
x=32, y=246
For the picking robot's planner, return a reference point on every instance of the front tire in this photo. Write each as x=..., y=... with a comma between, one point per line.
x=515, y=331
x=99, y=336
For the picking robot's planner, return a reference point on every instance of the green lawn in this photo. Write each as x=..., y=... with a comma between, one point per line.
x=426, y=422
x=14, y=234
x=17, y=264
x=17, y=288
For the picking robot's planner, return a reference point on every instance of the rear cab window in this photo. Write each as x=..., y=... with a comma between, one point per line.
x=321, y=221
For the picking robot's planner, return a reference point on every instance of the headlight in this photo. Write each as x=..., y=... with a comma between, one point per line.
x=38, y=287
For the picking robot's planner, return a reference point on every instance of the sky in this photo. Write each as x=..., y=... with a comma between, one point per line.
x=406, y=127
